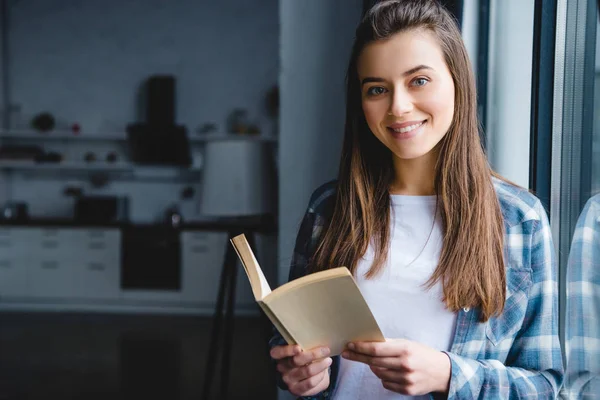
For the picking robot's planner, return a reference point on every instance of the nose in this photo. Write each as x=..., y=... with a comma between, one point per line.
x=401, y=103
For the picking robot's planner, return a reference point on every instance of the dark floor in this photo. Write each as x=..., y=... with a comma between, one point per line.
x=90, y=356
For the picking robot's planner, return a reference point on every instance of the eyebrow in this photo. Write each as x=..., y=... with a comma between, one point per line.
x=406, y=73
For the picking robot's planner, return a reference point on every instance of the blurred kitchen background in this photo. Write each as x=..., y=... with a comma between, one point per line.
x=113, y=229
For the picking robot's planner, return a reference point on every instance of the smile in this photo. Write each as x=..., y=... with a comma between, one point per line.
x=406, y=132
x=408, y=128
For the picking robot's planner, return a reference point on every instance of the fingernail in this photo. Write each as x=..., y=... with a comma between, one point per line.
x=328, y=362
x=345, y=354
x=351, y=346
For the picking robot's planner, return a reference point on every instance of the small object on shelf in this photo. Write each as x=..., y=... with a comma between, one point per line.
x=207, y=128
x=111, y=157
x=76, y=128
x=50, y=157
x=43, y=122
x=187, y=192
x=20, y=152
x=89, y=157
x=173, y=216
x=253, y=130
x=73, y=191
x=238, y=121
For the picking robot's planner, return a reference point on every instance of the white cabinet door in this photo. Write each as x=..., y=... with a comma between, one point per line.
x=201, y=259
x=51, y=275
x=13, y=278
x=13, y=273
x=70, y=263
x=97, y=265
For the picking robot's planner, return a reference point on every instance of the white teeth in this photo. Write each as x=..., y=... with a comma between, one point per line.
x=408, y=128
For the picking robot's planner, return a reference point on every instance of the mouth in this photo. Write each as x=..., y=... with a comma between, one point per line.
x=406, y=132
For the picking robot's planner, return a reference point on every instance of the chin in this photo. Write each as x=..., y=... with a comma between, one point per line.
x=411, y=154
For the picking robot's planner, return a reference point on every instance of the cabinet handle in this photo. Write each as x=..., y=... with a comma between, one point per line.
x=96, y=266
x=47, y=244
x=97, y=246
x=50, y=264
x=5, y=264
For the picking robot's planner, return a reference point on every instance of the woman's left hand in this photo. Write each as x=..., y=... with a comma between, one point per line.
x=404, y=366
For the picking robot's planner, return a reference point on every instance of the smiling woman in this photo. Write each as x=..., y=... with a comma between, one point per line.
x=408, y=108
x=456, y=263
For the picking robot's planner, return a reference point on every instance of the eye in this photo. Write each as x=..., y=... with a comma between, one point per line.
x=376, y=91
x=420, y=82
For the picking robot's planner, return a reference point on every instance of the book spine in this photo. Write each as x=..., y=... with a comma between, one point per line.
x=284, y=332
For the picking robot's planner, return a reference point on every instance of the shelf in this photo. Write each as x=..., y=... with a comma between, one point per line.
x=29, y=165
x=61, y=135
x=127, y=170
x=119, y=137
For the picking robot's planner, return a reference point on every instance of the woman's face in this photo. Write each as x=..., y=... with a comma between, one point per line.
x=407, y=92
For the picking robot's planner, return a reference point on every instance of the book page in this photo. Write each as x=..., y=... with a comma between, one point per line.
x=258, y=282
x=328, y=312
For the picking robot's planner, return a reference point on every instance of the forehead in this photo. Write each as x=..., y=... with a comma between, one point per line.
x=401, y=52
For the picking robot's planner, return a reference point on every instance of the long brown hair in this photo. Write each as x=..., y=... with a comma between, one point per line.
x=471, y=265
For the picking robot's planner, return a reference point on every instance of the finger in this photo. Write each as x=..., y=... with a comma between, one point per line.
x=323, y=384
x=386, y=374
x=384, y=362
x=390, y=348
x=285, y=365
x=279, y=352
x=314, y=368
x=309, y=356
x=395, y=387
x=308, y=384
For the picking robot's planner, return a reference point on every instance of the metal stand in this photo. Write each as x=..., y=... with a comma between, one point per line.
x=226, y=293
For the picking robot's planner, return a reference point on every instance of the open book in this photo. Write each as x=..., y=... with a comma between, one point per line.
x=321, y=309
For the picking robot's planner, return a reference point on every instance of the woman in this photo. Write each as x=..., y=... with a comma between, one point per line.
x=457, y=265
x=583, y=306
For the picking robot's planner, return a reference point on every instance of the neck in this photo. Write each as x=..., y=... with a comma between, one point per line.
x=415, y=177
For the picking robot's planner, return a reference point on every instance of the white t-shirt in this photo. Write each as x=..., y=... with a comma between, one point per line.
x=401, y=305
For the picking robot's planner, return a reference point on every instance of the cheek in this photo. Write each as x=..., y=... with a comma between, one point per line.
x=441, y=107
x=374, y=113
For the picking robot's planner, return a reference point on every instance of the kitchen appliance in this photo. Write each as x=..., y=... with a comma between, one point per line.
x=101, y=209
x=151, y=258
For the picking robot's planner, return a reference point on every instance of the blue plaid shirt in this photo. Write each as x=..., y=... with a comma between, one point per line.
x=514, y=355
x=583, y=307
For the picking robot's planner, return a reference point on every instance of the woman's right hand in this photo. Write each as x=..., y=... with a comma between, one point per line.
x=305, y=373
